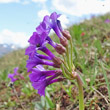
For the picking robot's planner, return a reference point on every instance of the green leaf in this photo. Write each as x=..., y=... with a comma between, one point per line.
x=98, y=45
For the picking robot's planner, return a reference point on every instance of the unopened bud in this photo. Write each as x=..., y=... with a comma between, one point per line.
x=57, y=61
x=61, y=79
x=66, y=34
x=63, y=41
x=56, y=66
x=58, y=71
x=60, y=49
x=74, y=74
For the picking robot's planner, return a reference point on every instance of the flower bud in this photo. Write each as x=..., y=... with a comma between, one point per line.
x=74, y=74
x=58, y=71
x=60, y=79
x=66, y=34
x=56, y=66
x=57, y=61
x=63, y=41
x=60, y=49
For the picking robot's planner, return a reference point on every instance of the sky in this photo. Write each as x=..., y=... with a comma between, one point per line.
x=19, y=18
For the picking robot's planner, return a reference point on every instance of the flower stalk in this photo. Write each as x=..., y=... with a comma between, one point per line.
x=80, y=88
x=15, y=92
x=68, y=58
x=11, y=85
x=71, y=44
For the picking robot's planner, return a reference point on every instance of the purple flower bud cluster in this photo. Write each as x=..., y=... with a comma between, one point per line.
x=15, y=76
x=39, y=77
x=107, y=21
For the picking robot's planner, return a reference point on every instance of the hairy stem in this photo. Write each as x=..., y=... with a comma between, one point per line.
x=71, y=51
x=68, y=60
x=80, y=87
x=81, y=95
x=14, y=90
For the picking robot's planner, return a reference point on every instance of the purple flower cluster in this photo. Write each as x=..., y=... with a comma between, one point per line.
x=15, y=76
x=39, y=77
x=107, y=21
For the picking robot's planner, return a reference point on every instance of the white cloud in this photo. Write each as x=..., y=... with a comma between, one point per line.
x=17, y=38
x=64, y=21
x=42, y=1
x=8, y=1
x=42, y=13
x=81, y=7
x=25, y=2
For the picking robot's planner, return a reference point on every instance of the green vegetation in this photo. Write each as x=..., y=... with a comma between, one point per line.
x=91, y=48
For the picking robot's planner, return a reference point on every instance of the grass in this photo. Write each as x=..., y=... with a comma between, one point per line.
x=92, y=60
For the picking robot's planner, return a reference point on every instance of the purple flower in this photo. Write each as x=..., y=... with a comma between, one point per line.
x=52, y=43
x=42, y=84
x=34, y=61
x=43, y=56
x=48, y=52
x=39, y=75
x=12, y=76
x=107, y=21
x=54, y=23
x=44, y=27
x=31, y=50
x=40, y=78
x=38, y=40
x=59, y=25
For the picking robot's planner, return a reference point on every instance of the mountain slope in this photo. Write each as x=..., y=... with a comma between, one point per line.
x=91, y=47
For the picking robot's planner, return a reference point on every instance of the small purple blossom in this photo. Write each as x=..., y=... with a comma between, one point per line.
x=34, y=61
x=14, y=75
x=44, y=27
x=107, y=21
x=43, y=56
x=48, y=52
x=54, y=23
x=52, y=43
x=40, y=78
x=39, y=40
x=42, y=84
x=39, y=75
x=31, y=50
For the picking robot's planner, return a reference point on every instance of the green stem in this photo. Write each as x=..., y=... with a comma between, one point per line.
x=68, y=60
x=66, y=75
x=14, y=90
x=71, y=51
x=64, y=62
x=81, y=96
